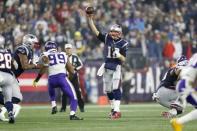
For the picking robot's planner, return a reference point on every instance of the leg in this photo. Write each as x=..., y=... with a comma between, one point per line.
x=117, y=93
x=68, y=89
x=16, y=98
x=3, y=110
x=169, y=99
x=75, y=83
x=107, y=84
x=177, y=123
x=64, y=102
x=51, y=91
x=8, y=90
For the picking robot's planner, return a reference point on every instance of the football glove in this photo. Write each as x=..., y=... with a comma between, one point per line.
x=35, y=84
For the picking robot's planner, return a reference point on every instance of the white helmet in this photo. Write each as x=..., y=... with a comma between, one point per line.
x=29, y=40
x=116, y=27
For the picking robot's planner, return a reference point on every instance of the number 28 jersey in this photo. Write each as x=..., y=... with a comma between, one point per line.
x=5, y=61
x=57, y=62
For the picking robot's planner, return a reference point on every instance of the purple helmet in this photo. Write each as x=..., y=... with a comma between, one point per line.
x=182, y=61
x=49, y=45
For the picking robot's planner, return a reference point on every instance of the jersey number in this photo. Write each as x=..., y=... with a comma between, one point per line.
x=110, y=52
x=5, y=61
x=56, y=59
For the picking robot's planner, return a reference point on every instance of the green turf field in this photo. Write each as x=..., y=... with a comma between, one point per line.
x=135, y=117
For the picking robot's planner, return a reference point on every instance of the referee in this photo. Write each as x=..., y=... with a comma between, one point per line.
x=77, y=64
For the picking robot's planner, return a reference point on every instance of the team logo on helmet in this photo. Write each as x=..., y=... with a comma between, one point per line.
x=182, y=61
x=116, y=27
x=50, y=45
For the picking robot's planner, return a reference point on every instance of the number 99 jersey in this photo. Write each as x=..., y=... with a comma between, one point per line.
x=57, y=62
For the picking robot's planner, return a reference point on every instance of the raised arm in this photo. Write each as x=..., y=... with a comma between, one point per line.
x=92, y=25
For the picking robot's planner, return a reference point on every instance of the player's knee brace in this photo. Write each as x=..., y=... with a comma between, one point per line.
x=117, y=94
x=15, y=100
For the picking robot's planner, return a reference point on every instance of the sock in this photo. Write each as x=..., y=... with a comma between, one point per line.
x=110, y=96
x=9, y=106
x=188, y=117
x=117, y=105
x=72, y=113
x=53, y=103
x=111, y=103
x=16, y=109
x=117, y=97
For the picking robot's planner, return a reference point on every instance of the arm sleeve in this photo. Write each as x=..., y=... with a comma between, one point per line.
x=102, y=37
x=79, y=64
x=124, y=49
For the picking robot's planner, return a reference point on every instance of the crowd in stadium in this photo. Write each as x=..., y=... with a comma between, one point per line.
x=158, y=29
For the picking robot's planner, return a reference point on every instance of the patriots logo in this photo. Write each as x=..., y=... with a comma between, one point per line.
x=21, y=50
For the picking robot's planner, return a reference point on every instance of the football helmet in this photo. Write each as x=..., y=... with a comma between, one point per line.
x=116, y=27
x=50, y=45
x=115, y=31
x=30, y=40
x=182, y=61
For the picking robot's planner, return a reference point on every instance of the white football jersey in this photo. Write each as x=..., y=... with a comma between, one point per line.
x=57, y=62
x=190, y=72
x=193, y=61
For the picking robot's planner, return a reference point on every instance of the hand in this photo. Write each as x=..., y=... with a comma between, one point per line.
x=116, y=54
x=35, y=84
x=155, y=97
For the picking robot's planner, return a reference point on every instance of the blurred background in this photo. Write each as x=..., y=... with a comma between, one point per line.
x=158, y=31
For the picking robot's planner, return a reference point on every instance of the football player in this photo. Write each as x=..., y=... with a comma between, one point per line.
x=7, y=80
x=187, y=93
x=166, y=94
x=115, y=54
x=23, y=56
x=77, y=64
x=57, y=66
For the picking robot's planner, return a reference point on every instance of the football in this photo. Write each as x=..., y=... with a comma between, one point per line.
x=90, y=10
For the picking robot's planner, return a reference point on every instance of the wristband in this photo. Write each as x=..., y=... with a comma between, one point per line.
x=38, y=77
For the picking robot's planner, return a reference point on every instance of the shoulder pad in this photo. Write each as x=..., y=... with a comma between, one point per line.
x=22, y=50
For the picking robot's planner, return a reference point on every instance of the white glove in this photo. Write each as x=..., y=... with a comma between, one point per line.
x=101, y=70
x=155, y=97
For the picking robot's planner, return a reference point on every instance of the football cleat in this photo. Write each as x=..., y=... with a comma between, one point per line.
x=167, y=115
x=11, y=118
x=74, y=117
x=175, y=125
x=54, y=110
x=116, y=115
x=111, y=112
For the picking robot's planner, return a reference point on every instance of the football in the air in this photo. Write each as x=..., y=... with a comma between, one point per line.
x=89, y=10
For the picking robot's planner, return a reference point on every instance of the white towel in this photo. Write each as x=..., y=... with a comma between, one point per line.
x=101, y=70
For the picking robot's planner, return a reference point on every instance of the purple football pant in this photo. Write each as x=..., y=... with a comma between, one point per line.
x=61, y=81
